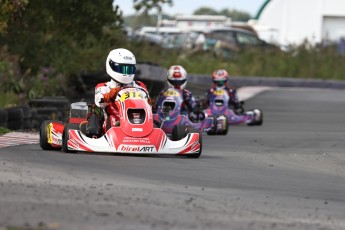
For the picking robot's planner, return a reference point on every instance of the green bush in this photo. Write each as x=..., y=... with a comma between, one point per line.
x=4, y=130
x=299, y=62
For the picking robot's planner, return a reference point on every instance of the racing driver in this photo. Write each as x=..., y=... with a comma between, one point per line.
x=120, y=66
x=220, y=79
x=177, y=79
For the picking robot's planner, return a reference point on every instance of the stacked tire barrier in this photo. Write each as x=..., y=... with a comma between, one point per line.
x=49, y=108
x=30, y=116
x=16, y=117
x=3, y=118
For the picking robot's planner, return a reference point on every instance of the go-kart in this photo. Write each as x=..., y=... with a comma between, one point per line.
x=134, y=133
x=168, y=115
x=218, y=106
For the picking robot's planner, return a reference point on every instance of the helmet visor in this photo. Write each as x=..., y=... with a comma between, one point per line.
x=176, y=82
x=122, y=68
x=220, y=82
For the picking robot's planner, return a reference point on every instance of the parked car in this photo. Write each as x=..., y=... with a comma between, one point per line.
x=227, y=41
x=154, y=35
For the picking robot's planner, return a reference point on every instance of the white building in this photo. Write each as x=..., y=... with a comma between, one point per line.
x=292, y=21
x=198, y=22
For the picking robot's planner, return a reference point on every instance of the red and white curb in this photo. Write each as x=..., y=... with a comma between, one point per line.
x=21, y=138
x=18, y=138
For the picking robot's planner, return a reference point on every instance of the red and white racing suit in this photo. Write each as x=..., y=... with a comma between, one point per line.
x=110, y=108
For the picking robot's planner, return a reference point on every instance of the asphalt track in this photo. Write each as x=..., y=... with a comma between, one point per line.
x=287, y=174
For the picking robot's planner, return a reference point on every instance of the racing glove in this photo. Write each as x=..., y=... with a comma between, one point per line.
x=197, y=114
x=111, y=95
x=238, y=107
x=150, y=101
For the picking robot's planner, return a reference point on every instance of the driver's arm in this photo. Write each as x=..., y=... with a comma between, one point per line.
x=104, y=95
x=188, y=100
x=111, y=95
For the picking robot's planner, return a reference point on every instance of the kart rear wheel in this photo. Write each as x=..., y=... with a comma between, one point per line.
x=226, y=124
x=44, y=136
x=65, y=137
x=192, y=130
x=258, y=118
x=259, y=113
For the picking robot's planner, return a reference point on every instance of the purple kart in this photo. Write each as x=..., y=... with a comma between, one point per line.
x=218, y=107
x=169, y=115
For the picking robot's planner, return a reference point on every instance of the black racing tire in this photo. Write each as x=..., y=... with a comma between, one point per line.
x=257, y=123
x=3, y=116
x=44, y=137
x=261, y=121
x=57, y=102
x=15, y=114
x=33, y=112
x=213, y=131
x=3, y=124
x=224, y=132
x=178, y=132
x=51, y=112
x=253, y=123
x=26, y=111
x=65, y=137
x=35, y=124
x=27, y=124
x=156, y=124
x=41, y=117
x=192, y=130
x=15, y=125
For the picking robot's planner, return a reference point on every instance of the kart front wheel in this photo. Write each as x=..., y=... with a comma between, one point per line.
x=65, y=137
x=213, y=130
x=192, y=130
x=178, y=132
x=44, y=136
x=181, y=131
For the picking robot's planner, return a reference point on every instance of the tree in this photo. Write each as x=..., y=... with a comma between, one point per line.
x=143, y=7
x=235, y=15
x=147, y=5
x=11, y=10
x=65, y=29
x=205, y=11
x=55, y=41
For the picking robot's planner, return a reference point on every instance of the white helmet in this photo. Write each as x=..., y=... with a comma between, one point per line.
x=120, y=65
x=177, y=77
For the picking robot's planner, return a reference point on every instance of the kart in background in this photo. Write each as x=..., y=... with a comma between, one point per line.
x=218, y=107
x=168, y=115
x=134, y=133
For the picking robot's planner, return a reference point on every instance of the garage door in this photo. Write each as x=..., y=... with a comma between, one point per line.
x=333, y=28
